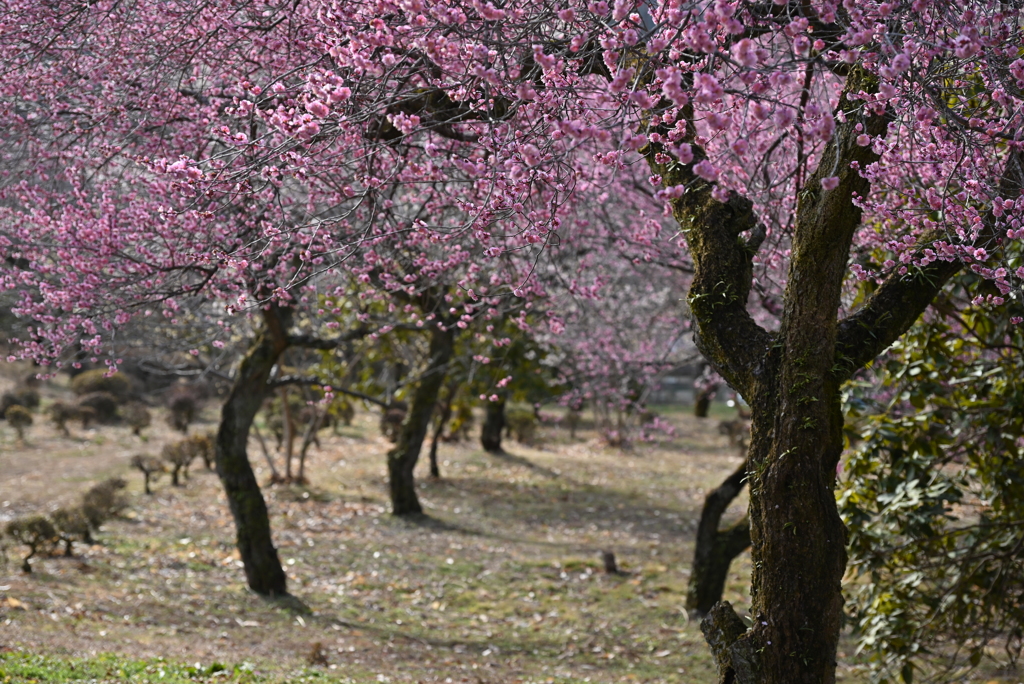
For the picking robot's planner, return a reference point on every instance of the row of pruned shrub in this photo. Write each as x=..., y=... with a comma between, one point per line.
x=45, y=534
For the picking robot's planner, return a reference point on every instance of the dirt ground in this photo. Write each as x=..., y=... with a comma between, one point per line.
x=501, y=581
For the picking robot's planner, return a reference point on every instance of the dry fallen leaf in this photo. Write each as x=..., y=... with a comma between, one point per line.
x=12, y=602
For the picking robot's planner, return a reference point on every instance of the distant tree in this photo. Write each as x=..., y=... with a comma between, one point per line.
x=150, y=467
x=178, y=456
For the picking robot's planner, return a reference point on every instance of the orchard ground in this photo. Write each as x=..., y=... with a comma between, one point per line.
x=501, y=581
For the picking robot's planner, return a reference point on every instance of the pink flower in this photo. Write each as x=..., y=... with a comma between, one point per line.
x=900, y=63
x=745, y=52
x=830, y=183
x=706, y=170
x=318, y=109
x=684, y=153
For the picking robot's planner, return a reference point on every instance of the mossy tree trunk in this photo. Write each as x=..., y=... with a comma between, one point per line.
x=402, y=458
x=791, y=380
x=715, y=548
x=263, y=569
x=494, y=425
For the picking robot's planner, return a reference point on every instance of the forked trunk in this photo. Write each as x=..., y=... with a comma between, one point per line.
x=402, y=458
x=494, y=424
x=715, y=549
x=263, y=569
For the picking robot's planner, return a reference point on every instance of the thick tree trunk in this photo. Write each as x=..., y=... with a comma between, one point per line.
x=715, y=549
x=494, y=424
x=263, y=569
x=402, y=458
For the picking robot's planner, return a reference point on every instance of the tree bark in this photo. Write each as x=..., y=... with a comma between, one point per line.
x=715, y=549
x=442, y=420
x=288, y=433
x=308, y=438
x=494, y=424
x=702, y=404
x=791, y=380
x=263, y=569
x=402, y=458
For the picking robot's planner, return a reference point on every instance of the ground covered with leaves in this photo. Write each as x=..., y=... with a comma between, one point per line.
x=501, y=580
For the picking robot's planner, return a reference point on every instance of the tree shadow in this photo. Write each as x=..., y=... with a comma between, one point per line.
x=428, y=522
x=513, y=459
x=289, y=602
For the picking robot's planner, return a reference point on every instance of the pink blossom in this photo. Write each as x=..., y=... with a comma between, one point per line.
x=706, y=170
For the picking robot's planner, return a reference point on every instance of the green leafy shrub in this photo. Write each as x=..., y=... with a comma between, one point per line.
x=461, y=423
x=72, y=525
x=104, y=501
x=522, y=425
x=179, y=457
x=204, y=447
x=184, y=408
x=119, y=385
x=60, y=413
x=103, y=405
x=150, y=467
x=35, y=532
x=138, y=418
x=22, y=396
x=933, y=497
x=19, y=418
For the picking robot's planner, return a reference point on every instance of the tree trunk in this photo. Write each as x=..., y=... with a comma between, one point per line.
x=790, y=378
x=494, y=423
x=702, y=404
x=442, y=420
x=288, y=436
x=308, y=438
x=263, y=569
x=402, y=458
x=716, y=548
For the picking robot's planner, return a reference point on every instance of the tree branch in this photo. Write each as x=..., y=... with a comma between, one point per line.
x=313, y=342
x=307, y=380
x=901, y=299
x=723, y=271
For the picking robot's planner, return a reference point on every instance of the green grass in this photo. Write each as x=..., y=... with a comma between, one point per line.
x=25, y=668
